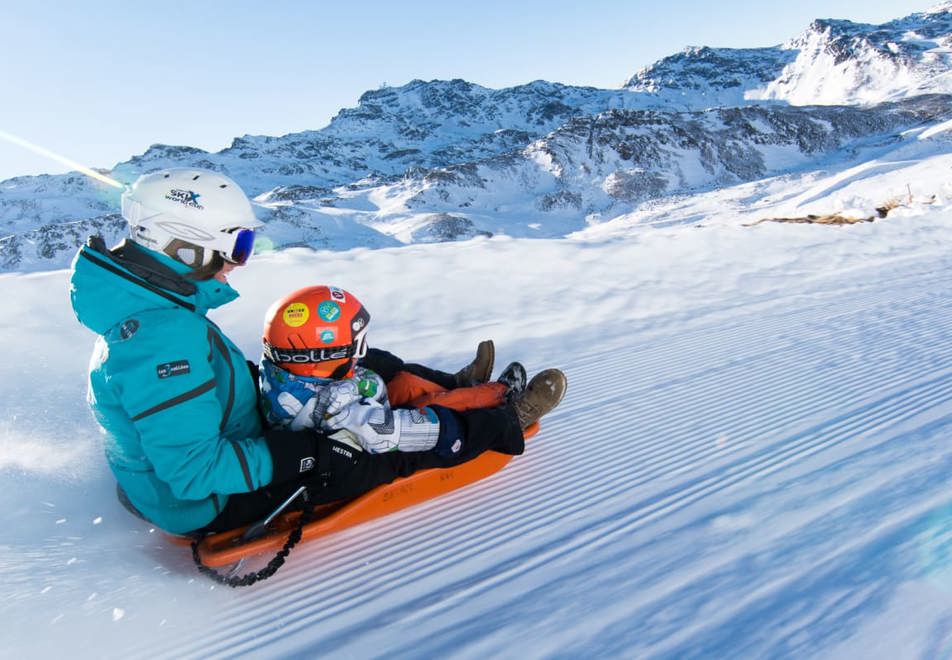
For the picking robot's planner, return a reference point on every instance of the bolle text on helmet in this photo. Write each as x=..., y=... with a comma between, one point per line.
x=186, y=197
x=307, y=356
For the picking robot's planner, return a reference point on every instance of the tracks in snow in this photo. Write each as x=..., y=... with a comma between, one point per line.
x=657, y=437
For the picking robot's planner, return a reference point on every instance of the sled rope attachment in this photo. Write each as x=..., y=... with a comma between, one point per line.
x=272, y=567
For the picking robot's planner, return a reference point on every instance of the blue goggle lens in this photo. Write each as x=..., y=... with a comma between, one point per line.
x=244, y=246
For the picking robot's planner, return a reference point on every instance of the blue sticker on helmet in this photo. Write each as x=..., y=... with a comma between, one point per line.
x=329, y=311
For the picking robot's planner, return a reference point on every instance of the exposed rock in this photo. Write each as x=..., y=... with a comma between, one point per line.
x=54, y=246
x=441, y=227
x=562, y=199
x=633, y=185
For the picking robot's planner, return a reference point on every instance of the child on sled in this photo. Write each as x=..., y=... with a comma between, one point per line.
x=310, y=377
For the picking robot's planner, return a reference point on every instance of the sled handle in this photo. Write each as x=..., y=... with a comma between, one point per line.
x=260, y=527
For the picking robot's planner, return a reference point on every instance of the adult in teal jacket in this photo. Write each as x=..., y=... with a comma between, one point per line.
x=175, y=396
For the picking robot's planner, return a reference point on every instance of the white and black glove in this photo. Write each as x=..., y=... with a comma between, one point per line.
x=302, y=415
x=332, y=398
x=379, y=428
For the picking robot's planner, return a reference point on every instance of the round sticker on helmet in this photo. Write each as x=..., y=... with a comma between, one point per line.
x=328, y=310
x=296, y=315
x=327, y=336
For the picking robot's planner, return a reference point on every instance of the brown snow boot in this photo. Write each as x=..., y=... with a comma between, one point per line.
x=543, y=393
x=480, y=370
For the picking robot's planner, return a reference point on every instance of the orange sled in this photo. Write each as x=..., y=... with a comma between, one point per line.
x=217, y=550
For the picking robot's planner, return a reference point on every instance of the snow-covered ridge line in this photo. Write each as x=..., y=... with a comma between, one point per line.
x=602, y=166
x=449, y=160
x=833, y=62
x=605, y=163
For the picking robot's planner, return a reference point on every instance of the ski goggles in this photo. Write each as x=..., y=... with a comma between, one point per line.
x=280, y=355
x=242, y=245
x=235, y=244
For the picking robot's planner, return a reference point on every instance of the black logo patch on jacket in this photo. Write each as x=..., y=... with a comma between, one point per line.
x=177, y=368
x=127, y=329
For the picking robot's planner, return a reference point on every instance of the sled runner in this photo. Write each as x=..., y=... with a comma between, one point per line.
x=225, y=548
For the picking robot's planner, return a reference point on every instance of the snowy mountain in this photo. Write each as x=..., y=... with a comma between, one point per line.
x=419, y=125
x=601, y=165
x=450, y=160
x=834, y=62
x=704, y=77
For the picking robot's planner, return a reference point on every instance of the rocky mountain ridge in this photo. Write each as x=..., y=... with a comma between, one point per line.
x=444, y=160
x=603, y=164
x=833, y=62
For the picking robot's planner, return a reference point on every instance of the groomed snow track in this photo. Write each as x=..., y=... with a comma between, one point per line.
x=776, y=466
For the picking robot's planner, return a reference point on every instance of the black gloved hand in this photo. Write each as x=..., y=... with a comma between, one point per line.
x=346, y=472
x=293, y=453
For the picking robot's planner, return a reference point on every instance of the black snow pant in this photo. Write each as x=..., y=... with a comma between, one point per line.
x=386, y=365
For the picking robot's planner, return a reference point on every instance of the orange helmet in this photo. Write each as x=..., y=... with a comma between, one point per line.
x=316, y=331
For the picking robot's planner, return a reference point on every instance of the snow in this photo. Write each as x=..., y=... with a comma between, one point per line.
x=750, y=461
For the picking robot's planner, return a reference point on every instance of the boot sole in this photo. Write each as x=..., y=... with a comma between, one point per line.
x=558, y=384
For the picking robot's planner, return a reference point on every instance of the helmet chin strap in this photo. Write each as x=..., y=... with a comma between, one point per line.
x=190, y=256
x=342, y=370
x=193, y=256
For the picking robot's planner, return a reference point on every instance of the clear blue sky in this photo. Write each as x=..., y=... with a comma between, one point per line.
x=100, y=81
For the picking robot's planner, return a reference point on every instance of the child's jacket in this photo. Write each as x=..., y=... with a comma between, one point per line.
x=290, y=401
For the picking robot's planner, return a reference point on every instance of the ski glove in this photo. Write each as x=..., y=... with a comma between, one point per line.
x=293, y=453
x=349, y=473
x=301, y=416
x=379, y=428
x=333, y=398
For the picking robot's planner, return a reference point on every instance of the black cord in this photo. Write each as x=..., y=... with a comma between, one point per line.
x=276, y=562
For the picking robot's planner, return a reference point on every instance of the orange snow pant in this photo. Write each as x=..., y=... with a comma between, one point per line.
x=409, y=391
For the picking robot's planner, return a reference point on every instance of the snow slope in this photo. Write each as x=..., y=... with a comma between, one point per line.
x=750, y=461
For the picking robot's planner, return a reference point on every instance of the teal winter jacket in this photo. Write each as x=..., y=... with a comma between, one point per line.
x=174, y=396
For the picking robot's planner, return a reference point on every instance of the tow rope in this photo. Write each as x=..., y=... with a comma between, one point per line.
x=272, y=567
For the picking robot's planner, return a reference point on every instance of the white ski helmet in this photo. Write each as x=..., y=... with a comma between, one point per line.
x=189, y=214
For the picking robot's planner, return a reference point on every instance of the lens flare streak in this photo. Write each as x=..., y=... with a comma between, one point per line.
x=35, y=148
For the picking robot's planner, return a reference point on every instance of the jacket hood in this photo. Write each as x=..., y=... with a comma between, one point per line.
x=107, y=286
